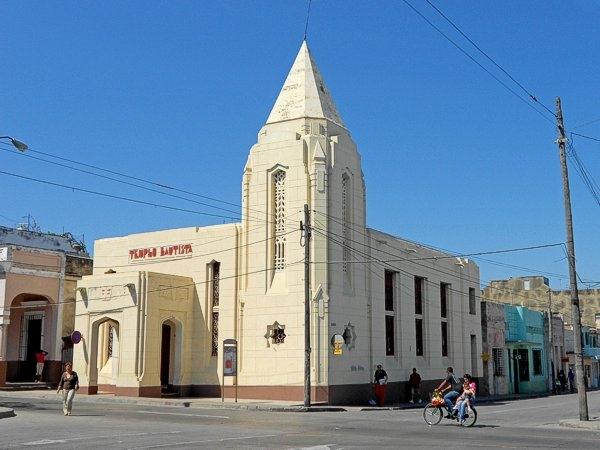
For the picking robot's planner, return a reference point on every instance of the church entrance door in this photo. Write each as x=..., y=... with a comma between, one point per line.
x=165, y=357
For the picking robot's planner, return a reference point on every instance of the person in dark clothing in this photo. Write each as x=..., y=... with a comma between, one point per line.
x=562, y=380
x=452, y=383
x=414, y=381
x=571, y=376
x=69, y=383
x=380, y=381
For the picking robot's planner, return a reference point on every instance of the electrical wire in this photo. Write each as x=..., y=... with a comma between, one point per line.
x=523, y=88
x=485, y=69
x=116, y=197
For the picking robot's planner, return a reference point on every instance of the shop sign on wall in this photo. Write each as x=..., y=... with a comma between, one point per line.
x=160, y=252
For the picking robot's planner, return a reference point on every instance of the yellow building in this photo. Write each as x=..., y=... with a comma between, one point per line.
x=159, y=305
x=38, y=278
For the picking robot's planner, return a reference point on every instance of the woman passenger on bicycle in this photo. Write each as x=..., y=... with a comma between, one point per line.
x=466, y=398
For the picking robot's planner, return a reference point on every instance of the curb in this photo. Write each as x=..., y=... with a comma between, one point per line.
x=6, y=413
x=592, y=425
x=268, y=407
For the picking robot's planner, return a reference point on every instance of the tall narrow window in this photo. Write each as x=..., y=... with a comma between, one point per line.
x=346, y=224
x=444, y=288
x=419, y=337
x=444, y=338
x=390, y=312
x=472, y=301
x=389, y=335
x=279, y=220
x=537, y=362
x=215, y=274
x=444, y=294
x=419, y=295
x=389, y=290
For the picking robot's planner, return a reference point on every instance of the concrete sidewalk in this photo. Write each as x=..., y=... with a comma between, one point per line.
x=244, y=404
x=593, y=424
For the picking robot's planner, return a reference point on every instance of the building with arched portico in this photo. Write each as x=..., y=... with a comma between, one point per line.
x=174, y=296
x=38, y=278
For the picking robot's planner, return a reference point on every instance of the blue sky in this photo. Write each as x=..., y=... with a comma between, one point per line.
x=176, y=91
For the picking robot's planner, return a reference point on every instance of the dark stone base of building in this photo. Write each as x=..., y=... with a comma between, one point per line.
x=20, y=371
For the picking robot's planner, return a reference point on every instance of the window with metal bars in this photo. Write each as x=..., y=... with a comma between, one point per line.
x=279, y=220
x=498, y=358
x=215, y=276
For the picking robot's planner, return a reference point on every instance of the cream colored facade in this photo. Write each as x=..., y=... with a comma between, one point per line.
x=245, y=281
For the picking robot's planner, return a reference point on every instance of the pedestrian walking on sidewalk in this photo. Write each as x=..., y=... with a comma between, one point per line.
x=571, y=376
x=69, y=383
x=414, y=381
x=380, y=380
x=562, y=380
x=40, y=359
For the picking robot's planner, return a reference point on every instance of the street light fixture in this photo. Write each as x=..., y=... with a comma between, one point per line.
x=21, y=146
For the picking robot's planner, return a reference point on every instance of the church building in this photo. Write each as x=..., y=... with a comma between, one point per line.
x=156, y=310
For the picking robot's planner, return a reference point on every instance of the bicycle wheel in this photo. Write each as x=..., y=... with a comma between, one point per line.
x=432, y=414
x=470, y=417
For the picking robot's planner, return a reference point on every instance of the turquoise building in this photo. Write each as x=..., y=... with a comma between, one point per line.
x=526, y=347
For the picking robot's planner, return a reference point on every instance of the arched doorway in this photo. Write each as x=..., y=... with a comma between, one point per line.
x=170, y=356
x=30, y=325
x=104, y=350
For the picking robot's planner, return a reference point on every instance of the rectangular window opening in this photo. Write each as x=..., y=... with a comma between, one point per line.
x=390, y=279
x=537, y=362
x=444, y=289
x=419, y=295
x=498, y=358
x=419, y=337
x=472, y=302
x=389, y=335
x=444, y=338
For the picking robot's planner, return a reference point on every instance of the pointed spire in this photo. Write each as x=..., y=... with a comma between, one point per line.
x=304, y=93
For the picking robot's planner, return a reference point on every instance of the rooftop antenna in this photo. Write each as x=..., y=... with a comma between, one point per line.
x=307, y=17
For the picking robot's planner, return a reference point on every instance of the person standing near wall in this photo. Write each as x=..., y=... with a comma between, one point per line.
x=69, y=383
x=380, y=381
x=414, y=381
x=571, y=376
x=40, y=360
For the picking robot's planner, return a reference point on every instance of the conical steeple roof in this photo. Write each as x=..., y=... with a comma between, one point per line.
x=304, y=93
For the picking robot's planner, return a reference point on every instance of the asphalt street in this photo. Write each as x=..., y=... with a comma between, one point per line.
x=516, y=424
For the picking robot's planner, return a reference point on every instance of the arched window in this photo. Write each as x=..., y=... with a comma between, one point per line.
x=279, y=220
x=346, y=219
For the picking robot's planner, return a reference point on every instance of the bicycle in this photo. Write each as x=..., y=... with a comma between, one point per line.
x=433, y=413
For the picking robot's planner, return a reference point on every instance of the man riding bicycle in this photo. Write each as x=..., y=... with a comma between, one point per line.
x=452, y=383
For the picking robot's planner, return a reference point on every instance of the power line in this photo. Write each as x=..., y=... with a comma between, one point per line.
x=358, y=229
x=117, y=197
x=584, y=136
x=586, y=124
x=523, y=88
x=468, y=55
x=133, y=177
x=116, y=180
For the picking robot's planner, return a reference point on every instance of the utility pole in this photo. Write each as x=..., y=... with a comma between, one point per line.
x=307, y=235
x=550, y=340
x=579, y=375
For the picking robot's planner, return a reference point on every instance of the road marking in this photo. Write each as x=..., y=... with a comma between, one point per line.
x=45, y=442
x=83, y=438
x=174, y=444
x=182, y=414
